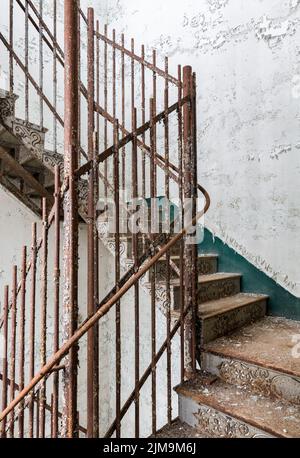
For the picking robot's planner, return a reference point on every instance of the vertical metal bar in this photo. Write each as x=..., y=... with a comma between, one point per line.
x=180, y=177
x=91, y=394
x=143, y=122
x=32, y=325
x=44, y=298
x=55, y=389
x=41, y=62
x=26, y=62
x=79, y=79
x=123, y=110
x=153, y=272
x=11, y=44
x=134, y=179
x=70, y=297
x=12, y=360
x=55, y=75
x=189, y=270
x=194, y=212
x=105, y=108
x=154, y=113
x=96, y=280
x=117, y=277
x=5, y=357
x=38, y=404
x=22, y=337
x=96, y=237
x=167, y=219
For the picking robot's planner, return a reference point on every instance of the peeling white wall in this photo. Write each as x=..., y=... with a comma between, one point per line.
x=247, y=58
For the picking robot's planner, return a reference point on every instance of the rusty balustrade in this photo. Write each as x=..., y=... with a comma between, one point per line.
x=137, y=133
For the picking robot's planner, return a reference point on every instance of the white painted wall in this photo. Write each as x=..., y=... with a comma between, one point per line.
x=246, y=55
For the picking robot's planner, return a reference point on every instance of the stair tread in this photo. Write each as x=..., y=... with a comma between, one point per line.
x=211, y=308
x=276, y=417
x=210, y=278
x=267, y=342
x=180, y=430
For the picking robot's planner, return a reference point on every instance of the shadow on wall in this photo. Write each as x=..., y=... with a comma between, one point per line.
x=281, y=303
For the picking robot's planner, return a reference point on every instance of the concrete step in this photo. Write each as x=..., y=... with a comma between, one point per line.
x=224, y=410
x=224, y=315
x=213, y=286
x=259, y=358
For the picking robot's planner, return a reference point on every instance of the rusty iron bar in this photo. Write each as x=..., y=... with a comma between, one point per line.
x=197, y=328
x=153, y=216
x=92, y=392
x=12, y=359
x=22, y=336
x=70, y=296
x=11, y=45
x=123, y=181
x=26, y=44
x=128, y=280
x=180, y=190
x=41, y=63
x=116, y=167
x=32, y=322
x=188, y=180
x=5, y=357
x=55, y=387
x=143, y=107
x=55, y=74
x=134, y=195
x=105, y=107
x=43, y=324
x=168, y=258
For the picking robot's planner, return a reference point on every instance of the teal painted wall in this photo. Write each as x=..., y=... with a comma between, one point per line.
x=281, y=302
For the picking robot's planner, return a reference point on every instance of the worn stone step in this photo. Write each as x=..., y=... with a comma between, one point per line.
x=259, y=357
x=212, y=287
x=224, y=410
x=225, y=315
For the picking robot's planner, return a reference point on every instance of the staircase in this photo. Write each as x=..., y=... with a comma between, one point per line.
x=192, y=316
x=249, y=382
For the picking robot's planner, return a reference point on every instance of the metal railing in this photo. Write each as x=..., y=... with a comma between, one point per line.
x=151, y=152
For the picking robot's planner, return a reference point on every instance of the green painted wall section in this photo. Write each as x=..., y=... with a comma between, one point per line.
x=281, y=302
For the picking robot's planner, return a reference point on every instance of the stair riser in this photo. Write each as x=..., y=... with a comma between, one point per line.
x=205, y=267
x=216, y=423
x=257, y=379
x=220, y=325
x=213, y=290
